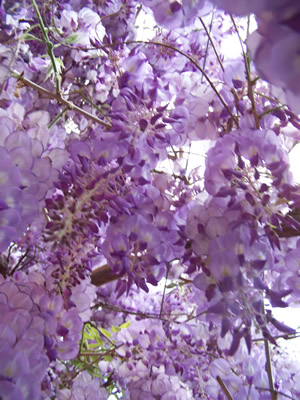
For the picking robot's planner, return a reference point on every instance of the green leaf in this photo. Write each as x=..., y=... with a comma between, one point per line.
x=78, y=364
x=125, y=325
x=28, y=36
x=90, y=332
x=97, y=373
x=105, y=332
x=59, y=64
x=115, y=329
x=99, y=341
x=71, y=39
x=108, y=358
x=94, y=345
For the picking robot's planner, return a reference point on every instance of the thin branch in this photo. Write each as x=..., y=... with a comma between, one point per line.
x=269, y=370
x=195, y=316
x=267, y=97
x=286, y=336
x=19, y=263
x=233, y=91
x=211, y=42
x=52, y=123
x=250, y=83
x=87, y=366
x=207, y=43
x=224, y=388
x=187, y=160
x=270, y=110
x=164, y=292
x=96, y=107
x=9, y=251
x=58, y=98
x=269, y=366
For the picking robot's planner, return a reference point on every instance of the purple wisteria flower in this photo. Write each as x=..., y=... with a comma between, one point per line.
x=269, y=49
x=245, y=7
x=83, y=387
x=24, y=362
x=26, y=174
x=96, y=175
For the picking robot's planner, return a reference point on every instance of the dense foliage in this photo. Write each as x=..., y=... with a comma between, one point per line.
x=127, y=271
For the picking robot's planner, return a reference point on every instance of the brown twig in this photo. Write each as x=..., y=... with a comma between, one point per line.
x=269, y=370
x=207, y=43
x=274, y=395
x=103, y=275
x=164, y=292
x=285, y=336
x=212, y=43
x=224, y=388
x=59, y=99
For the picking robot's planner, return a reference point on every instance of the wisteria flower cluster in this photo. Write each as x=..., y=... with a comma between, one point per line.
x=27, y=172
x=131, y=265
